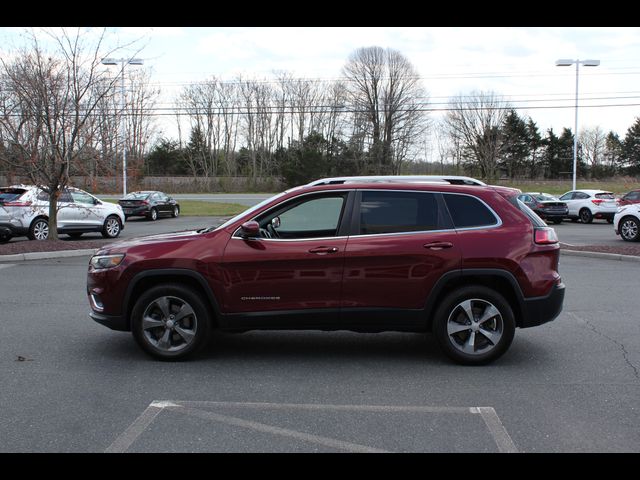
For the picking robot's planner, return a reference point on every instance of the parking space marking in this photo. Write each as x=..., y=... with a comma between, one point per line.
x=499, y=433
x=124, y=441
x=488, y=414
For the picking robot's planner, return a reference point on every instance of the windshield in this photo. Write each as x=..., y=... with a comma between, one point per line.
x=250, y=210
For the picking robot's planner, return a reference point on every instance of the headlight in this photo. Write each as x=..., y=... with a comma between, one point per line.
x=101, y=262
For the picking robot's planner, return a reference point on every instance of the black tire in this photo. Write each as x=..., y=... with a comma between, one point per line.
x=153, y=215
x=175, y=212
x=5, y=238
x=574, y=220
x=557, y=221
x=170, y=341
x=112, y=227
x=586, y=216
x=39, y=229
x=629, y=228
x=610, y=220
x=451, y=318
x=75, y=234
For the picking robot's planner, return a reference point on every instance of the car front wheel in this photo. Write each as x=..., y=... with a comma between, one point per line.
x=111, y=227
x=586, y=216
x=474, y=325
x=630, y=229
x=170, y=322
x=153, y=215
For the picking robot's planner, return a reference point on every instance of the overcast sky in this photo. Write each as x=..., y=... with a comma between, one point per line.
x=518, y=63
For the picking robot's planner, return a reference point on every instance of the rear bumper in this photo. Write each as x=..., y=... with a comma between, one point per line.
x=541, y=310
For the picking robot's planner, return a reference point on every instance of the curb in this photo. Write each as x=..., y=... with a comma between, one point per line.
x=601, y=255
x=46, y=255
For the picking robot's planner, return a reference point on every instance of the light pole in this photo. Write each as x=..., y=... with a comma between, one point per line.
x=567, y=63
x=123, y=62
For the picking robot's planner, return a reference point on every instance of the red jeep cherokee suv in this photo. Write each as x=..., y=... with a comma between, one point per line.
x=468, y=263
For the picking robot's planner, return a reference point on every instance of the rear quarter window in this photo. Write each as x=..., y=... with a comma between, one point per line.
x=469, y=212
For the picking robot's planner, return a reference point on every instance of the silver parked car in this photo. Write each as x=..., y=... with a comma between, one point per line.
x=78, y=212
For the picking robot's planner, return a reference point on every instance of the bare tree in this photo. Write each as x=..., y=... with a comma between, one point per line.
x=385, y=88
x=475, y=122
x=593, y=142
x=47, y=109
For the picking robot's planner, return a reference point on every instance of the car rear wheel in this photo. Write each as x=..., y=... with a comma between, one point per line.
x=39, y=229
x=111, y=227
x=630, y=229
x=153, y=215
x=474, y=325
x=586, y=216
x=170, y=322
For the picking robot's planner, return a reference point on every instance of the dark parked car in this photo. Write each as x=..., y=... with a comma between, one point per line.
x=468, y=263
x=546, y=206
x=149, y=204
x=630, y=198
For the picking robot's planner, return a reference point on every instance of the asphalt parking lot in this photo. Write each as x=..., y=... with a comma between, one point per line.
x=71, y=385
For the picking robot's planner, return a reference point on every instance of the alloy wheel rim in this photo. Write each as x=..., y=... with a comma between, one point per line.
x=629, y=229
x=41, y=230
x=113, y=227
x=475, y=326
x=154, y=214
x=169, y=324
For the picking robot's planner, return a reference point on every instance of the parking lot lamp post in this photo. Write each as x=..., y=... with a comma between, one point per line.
x=566, y=63
x=123, y=62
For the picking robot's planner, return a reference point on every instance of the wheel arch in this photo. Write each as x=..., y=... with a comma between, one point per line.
x=502, y=281
x=151, y=278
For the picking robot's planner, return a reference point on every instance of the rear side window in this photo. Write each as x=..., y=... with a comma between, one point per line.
x=468, y=212
x=396, y=212
x=10, y=194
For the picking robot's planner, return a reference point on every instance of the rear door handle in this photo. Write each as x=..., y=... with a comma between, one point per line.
x=438, y=245
x=323, y=250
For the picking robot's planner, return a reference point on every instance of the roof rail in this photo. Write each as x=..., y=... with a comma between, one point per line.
x=450, y=179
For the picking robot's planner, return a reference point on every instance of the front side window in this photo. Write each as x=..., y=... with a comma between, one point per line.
x=469, y=212
x=397, y=212
x=567, y=196
x=82, y=198
x=311, y=218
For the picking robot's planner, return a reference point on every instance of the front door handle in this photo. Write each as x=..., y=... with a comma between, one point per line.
x=323, y=250
x=438, y=245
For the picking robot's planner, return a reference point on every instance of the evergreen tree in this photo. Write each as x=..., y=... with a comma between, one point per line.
x=631, y=148
x=514, y=150
x=535, y=144
x=613, y=154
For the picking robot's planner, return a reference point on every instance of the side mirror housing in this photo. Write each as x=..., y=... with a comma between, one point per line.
x=250, y=229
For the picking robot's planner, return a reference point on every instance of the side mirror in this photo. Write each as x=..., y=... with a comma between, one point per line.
x=250, y=229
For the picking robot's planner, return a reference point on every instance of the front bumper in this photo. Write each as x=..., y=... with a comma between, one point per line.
x=114, y=322
x=539, y=310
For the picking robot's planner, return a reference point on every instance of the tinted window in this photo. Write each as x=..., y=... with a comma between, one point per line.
x=605, y=196
x=633, y=196
x=467, y=211
x=567, y=196
x=137, y=196
x=392, y=212
x=82, y=197
x=318, y=214
x=580, y=196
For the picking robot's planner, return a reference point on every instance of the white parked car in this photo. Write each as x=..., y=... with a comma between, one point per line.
x=626, y=222
x=78, y=212
x=585, y=205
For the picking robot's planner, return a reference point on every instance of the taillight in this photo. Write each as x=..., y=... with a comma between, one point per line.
x=17, y=204
x=597, y=201
x=545, y=236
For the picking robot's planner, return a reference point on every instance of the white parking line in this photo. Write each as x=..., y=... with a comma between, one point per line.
x=129, y=436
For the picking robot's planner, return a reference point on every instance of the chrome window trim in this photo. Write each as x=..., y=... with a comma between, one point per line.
x=420, y=232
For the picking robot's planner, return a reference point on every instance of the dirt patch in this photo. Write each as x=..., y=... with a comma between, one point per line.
x=28, y=246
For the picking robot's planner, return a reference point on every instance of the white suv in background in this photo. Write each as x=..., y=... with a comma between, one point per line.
x=626, y=222
x=78, y=212
x=585, y=205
